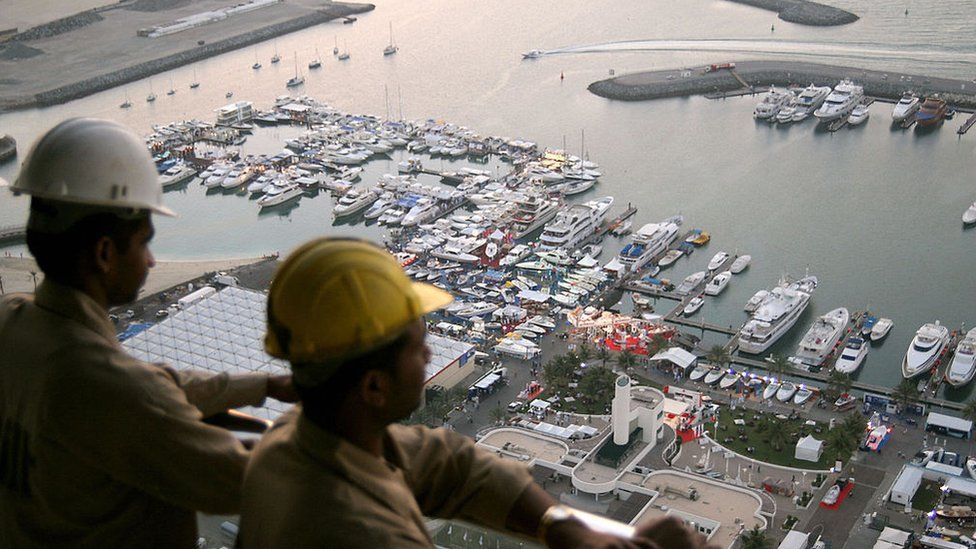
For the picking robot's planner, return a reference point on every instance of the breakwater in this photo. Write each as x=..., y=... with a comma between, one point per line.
x=804, y=12
x=678, y=83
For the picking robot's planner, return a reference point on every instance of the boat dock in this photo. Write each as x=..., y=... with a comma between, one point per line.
x=938, y=377
x=967, y=124
x=13, y=232
x=835, y=125
x=610, y=225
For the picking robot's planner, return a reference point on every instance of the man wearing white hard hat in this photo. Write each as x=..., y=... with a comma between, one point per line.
x=98, y=449
x=339, y=471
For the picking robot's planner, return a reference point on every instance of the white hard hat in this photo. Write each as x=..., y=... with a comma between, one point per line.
x=92, y=162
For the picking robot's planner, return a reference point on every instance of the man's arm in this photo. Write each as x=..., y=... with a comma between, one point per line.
x=214, y=393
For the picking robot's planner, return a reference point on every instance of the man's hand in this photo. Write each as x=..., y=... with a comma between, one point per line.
x=573, y=533
x=671, y=532
x=280, y=388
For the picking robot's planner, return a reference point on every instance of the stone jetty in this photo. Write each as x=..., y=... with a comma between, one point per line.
x=804, y=12
x=757, y=74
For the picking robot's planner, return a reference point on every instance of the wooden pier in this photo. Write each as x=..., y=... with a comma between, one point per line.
x=13, y=233
x=967, y=124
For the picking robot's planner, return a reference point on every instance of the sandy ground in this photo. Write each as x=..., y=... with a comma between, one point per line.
x=15, y=273
x=25, y=14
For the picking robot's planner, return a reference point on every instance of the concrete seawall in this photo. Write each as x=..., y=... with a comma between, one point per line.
x=670, y=83
x=804, y=13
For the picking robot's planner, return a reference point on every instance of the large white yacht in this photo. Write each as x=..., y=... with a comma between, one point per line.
x=906, y=106
x=771, y=104
x=811, y=98
x=964, y=362
x=574, y=224
x=840, y=102
x=354, y=201
x=533, y=212
x=777, y=314
x=645, y=244
x=852, y=356
x=925, y=349
x=176, y=175
x=822, y=336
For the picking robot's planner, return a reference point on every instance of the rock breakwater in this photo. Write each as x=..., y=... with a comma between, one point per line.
x=804, y=12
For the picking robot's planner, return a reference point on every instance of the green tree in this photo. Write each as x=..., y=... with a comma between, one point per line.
x=558, y=372
x=837, y=383
x=497, y=414
x=657, y=344
x=603, y=354
x=840, y=441
x=626, y=359
x=719, y=356
x=778, y=433
x=754, y=539
x=584, y=352
x=905, y=393
x=597, y=386
x=779, y=366
x=854, y=425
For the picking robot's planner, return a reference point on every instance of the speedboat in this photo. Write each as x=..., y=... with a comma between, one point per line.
x=787, y=113
x=964, y=361
x=699, y=372
x=287, y=194
x=177, y=174
x=740, y=264
x=555, y=257
x=714, y=376
x=717, y=284
x=777, y=314
x=932, y=111
x=844, y=400
x=906, y=106
x=869, y=322
x=690, y=282
x=831, y=496
x=771, y=389
x=718, y=260
x=971, y=467
x=803, y=394
x=969, y=216
x=820, y=339
x=924, y=350
x=353, y=202
x=769, y=107
x=731, y=378
x=859, y=115
x=852, y=356
x=881, y=329
x=693, y=305
x=786, y=391
x=840, y=102
x=756, y=300
x=670, y=258
x=877, y=434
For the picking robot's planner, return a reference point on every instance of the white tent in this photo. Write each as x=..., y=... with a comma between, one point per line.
x=678, y=356
x=905, y=486
x=808, y=449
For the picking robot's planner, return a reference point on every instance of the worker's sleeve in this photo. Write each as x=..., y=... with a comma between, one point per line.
x=214, y=393
x=451, y=477
x=131, y=420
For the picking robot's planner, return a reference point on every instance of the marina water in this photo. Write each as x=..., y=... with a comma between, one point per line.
x=873, y=211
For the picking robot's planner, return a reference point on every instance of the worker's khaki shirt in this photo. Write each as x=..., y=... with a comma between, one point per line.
x=98, y=449
x=306, y=487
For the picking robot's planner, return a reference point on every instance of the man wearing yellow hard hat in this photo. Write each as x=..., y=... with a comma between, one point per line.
x=338, y=470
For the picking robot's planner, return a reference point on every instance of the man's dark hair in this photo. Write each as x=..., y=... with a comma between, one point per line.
x=60, y=255
x=321, y=402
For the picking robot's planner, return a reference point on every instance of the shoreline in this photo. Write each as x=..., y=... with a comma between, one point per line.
x=660, y=84
x=804, y=12
x=170, y=56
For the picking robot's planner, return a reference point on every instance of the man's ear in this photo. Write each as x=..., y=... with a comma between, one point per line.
x=104, y=254
x=374, y=388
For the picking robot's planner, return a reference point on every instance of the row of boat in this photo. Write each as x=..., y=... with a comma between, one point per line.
x=726, y=379
x=928, y=348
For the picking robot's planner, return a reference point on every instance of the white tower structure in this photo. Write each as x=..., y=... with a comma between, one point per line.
x=620, y=409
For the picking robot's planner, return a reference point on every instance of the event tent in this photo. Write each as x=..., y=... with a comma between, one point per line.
x=808, y=449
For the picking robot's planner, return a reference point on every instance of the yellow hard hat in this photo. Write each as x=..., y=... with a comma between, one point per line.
x=336, y=298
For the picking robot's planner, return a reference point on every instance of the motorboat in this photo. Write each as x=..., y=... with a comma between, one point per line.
x=698, y=237
x=670, y=258
x=809, y=100
x=645, y=244
x=881, y=329
x=731, y=378
x=969, y=216
x=756, y=300
x=852, y=356
x=786, y=391
x=287, y=194
x=868, y=324
x=926, y=346
x=718, y=260
x=803, y=394
x=425, y=209
x=532, y=54
x=831, y=496
x=542, y=321
x=753, y=382
x=575, y=224
x=841, y=101
x=932, y=111
x=515, y=255
x=577, y=186
x=820, y=339
x=859, y=115
x=787, y=113
x=876, y=436
x=533, y=211
x=771, y=389
x=535, y=265
x=690, y=282
x=558, y=256
x=844, y=401
x=771, y=104
x=740, y=264
x=971, y=467
x=693, y=305
x=480, y=308
x=622, y=228
x=699, y=372
x=714, y=376
x=777, y=314
x=640, y=300
x=716, y=285
x=906, y=106
x=175, y=175
x=963, y=364
x=353, y=202
x=382, y=204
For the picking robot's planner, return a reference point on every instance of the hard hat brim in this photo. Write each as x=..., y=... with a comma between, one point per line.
x=431, y=297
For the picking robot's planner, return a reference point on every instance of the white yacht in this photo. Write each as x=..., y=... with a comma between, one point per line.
x=718, y=260
x=906, y=106
x=353, y=202
x=730, y=380
x=756, y=300
x=964, y=361
x=852, y=356
x=786, y=391
x=777, y=314
x=840, y=102
x=645, y=244
x=810, y=100
x=802, y=395
x=926, y=346
x=740, y=264
x=771, y=389
x=769, y=107
x=574, y=224
x=421, y=212
x=287, y=194
x=969, y=216
x=690, y=283
x=859, y=115
x=881, y=328
x=217, y=176
x=820, y=339
x=176, y=175
x=382, y=204
x=714, y=376
x=717, y=284
x=533, y=212
x=693, y=305
x=699, y=372
x=515, y=255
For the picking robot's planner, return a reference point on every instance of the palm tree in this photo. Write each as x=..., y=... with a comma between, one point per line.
x=854, y=425
x=718, y=355
x=497, y=415
x=838, y=383
x=905, y=393
x=603, y=354
x=778, y=433
x=842, y=443
x=754, y=539
x=657, y=344
x=779, y=366
x=584, y=352
x=626, y=359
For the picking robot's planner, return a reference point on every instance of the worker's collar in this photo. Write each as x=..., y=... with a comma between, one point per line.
x=328, y=447
x=76, y=305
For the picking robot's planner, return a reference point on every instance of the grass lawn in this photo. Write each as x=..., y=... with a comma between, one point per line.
x=740, y=437
x=927, y=496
